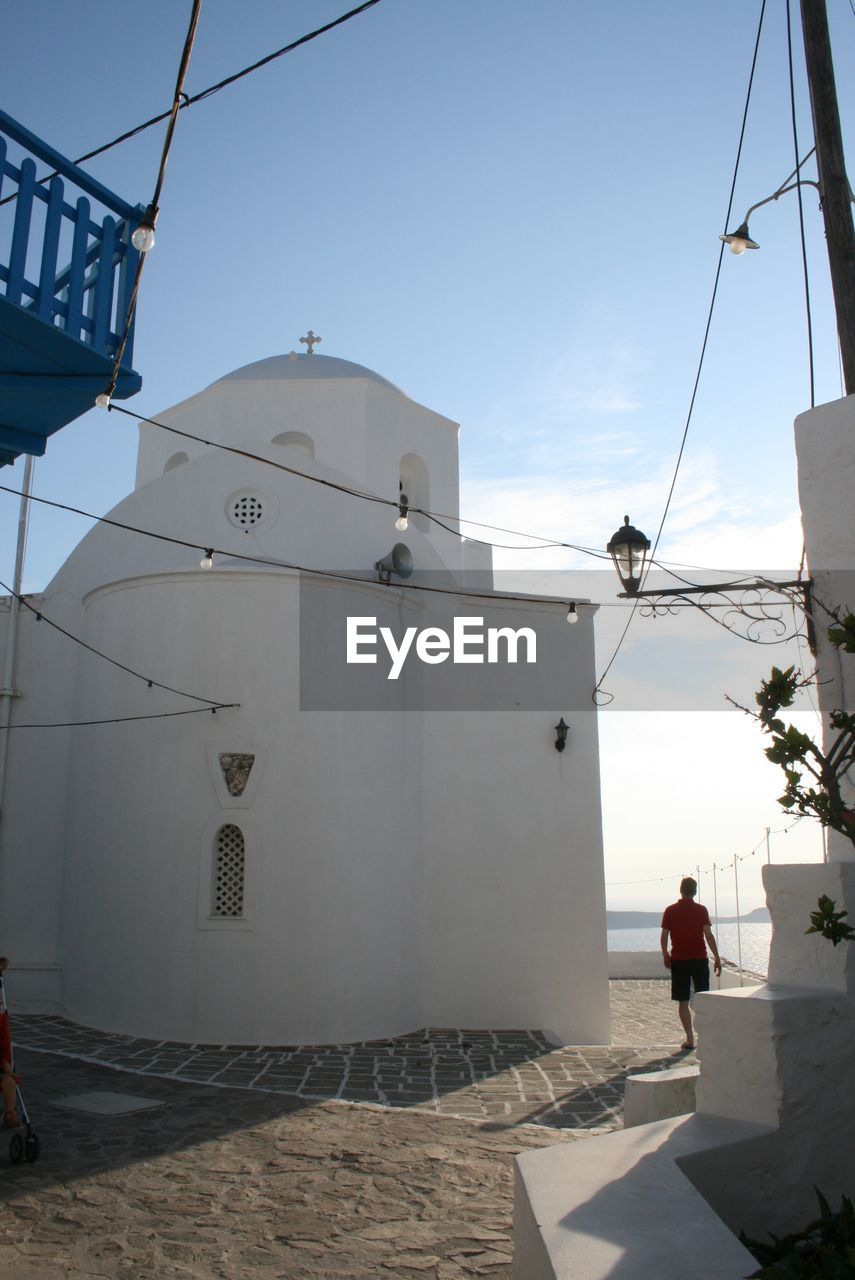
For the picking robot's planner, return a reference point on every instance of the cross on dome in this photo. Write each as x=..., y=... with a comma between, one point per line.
x=311, y=341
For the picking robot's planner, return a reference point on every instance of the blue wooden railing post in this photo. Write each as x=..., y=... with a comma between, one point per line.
x=50, y=250
x=77, y=268
x=21, y=231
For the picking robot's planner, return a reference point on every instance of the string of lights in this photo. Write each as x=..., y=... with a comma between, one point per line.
x=436, y=517
x=599, y=685
x=148, y=680
x=143, y=236
x=189, y=101
x=155, y=715
x=269, y=562
x=716, y=866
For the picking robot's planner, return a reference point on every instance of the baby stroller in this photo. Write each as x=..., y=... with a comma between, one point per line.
x=24, y=1143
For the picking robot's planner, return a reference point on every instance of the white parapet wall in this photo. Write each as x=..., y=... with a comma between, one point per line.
x=775, y=1114
x=648, y=965
x=825, y=448
x=659, y=1095
x=619, y=1207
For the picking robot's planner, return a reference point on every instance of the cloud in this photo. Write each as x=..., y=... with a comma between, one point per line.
x=711, y=523
x=561, y=411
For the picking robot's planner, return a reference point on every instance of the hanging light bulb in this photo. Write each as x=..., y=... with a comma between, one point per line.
x=103, y=401
x=143, y=237
x=572, y=612
x=402, y=523
x=207, y=561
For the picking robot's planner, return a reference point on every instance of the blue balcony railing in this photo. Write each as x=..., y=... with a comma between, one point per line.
x=88, y=297
x=67, y=268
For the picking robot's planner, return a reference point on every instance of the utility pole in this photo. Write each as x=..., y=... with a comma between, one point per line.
x=834, y=186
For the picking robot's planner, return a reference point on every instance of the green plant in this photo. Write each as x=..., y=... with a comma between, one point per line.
x=813, y=776
x=830, y=923
x=825, y=1250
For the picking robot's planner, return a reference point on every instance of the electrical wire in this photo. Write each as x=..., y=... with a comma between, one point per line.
x=801, y=208
x=436, y=518
x=149, y=680
x=618, y=647
x=270, y=563
x=154, y=203
x=158, y=715
x=189, y=101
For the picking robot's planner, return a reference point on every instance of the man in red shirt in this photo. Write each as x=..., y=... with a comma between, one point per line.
x=688, y=923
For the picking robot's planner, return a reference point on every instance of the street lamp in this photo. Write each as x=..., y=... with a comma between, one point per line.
x=739, y=240
x=748, y=606
x=628, y=547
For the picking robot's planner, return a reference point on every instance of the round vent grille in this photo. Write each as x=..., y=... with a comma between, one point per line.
x=249, y=510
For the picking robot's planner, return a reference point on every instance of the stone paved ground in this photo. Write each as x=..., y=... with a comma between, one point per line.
x=478, y=1075
x=252, y=1179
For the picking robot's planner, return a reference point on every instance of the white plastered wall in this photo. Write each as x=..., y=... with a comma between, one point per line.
x=403, y=867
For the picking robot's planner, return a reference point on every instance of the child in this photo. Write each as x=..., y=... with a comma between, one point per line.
x=8, y=1079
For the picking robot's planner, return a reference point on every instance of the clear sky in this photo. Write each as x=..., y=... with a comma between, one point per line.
x=511, y=211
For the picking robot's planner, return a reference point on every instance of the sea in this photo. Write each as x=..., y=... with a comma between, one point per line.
x=755, y=939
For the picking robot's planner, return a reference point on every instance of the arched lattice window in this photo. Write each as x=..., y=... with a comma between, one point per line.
x=229, y=870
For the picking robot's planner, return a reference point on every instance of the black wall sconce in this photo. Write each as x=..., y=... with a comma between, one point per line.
x=561, y=730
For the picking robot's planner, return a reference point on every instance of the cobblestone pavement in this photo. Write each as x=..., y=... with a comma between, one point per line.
x=517, y=1076
x=255, y=1183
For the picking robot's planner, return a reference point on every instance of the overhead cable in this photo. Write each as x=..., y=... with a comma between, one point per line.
x=436, y=518
x=149, y=680
x=188, y=100
x=154, y=203
x=155, y=715
x=680, y=452
x=806, y=277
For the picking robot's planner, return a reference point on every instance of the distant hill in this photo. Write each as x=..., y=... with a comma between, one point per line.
x=652, y=919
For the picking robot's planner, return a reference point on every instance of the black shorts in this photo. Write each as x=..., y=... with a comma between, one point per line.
x=686, y=974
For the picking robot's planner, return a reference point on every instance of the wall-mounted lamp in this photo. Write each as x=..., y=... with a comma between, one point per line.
x=561, y=730
x=747, y=606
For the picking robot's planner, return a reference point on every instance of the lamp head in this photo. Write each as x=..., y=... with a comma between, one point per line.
x=739, y=240
x=628, y=548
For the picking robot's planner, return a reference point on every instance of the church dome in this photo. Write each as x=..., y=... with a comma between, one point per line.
x=301, y=365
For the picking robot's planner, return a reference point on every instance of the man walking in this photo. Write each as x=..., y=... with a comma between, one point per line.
x=688, y=923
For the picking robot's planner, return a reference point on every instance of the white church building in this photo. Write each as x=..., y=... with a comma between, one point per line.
x=338, y=856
